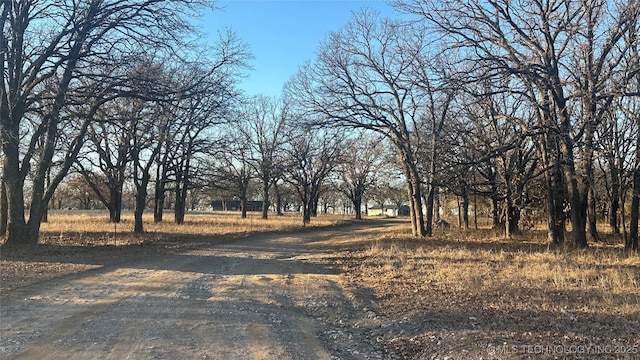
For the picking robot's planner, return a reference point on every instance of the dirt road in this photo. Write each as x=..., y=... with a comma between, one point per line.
x=262, y=297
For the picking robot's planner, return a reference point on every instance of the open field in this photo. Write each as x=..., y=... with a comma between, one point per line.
x=93, y=227
x=457, y=295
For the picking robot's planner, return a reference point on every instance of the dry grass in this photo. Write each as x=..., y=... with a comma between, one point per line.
x=93, y=228
x=465, y=294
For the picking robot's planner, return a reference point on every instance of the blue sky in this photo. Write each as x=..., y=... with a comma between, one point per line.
x=282, y=34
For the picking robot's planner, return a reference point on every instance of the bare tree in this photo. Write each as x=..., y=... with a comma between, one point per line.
x=105, y=160
x=311, y=155
x=263, y=123
x=149, y=124
x=232, y=167
x=192, y=138
x=64, y=60
x=614, y=159
x=358, y=168
x=496, y=139
x=364, y=78
x=204, y=100
x=632, y=110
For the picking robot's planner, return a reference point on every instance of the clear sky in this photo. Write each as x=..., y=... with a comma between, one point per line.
x=282, y=34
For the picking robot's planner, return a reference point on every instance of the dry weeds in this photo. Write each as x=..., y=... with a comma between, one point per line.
x=464, y=296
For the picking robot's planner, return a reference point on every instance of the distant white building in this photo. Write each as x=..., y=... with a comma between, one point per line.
x=389, y=210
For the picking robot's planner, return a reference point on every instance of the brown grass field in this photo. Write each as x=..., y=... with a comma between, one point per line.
x=461, y=294
x=93, y=228
x=505, y=299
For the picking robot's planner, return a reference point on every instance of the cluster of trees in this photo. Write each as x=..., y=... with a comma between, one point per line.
x=108, y=82
x=532, y=105
x=101, y=96
x=523, y=102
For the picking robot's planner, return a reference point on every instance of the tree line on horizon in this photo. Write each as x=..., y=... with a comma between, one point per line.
x=533, y=106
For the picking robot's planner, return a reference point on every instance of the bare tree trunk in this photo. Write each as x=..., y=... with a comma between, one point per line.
x=592, y=217
x=17, y=231
x=415, y=196
x=138, y=226
x=4, y=208
x=357, y=204
x=180, y=204
x=623, y=218
x=495, y=211
x=507, y=218
x=243, y=206
x=276, y=188
x=141, y=200
x=465, y=210
x=306, y=205
x=266, y=182
x=182, y=189
x=159, y=193
x=578, y=214
x=554, y=189
x=313, y=204
x=632, y=241
x=306, y=213
x=115, y=210
x=577, y=201
x=614, y=203
x=555, y=206
x=428, y=231
x=45, y=211
x=428, y=223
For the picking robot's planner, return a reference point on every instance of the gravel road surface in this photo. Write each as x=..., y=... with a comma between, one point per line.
x=262, y=297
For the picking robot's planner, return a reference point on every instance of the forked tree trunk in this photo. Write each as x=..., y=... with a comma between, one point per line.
x=141, y=200
x=577, y=200
x=578, y=214
x=18, y=233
